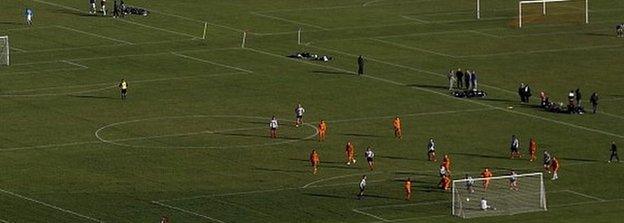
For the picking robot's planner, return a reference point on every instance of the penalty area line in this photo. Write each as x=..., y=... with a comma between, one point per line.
x=187, y=211
x=49, y=205
x=370, y=215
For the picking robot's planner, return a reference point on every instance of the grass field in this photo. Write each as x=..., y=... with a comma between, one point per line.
x=191, y=140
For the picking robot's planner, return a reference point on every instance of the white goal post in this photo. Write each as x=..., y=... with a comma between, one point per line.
x=543, y=2
x=4, y=50
x=529, y=195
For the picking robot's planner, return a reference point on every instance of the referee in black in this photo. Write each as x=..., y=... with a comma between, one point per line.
x=614, y=152
x=360, y=62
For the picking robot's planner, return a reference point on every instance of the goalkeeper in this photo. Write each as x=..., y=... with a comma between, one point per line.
x=485, y=206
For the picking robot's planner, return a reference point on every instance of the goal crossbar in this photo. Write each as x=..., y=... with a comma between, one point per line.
x=498, y=177
x=543, y=2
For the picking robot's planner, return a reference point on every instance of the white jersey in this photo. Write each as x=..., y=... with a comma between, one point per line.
x=484, y=204
x=442, y=171
x=514, y=177
x=515, y=143
x=363, y=184
x=299, y=111
x=273, y=124
x=123, y=85
x=469, y=182
x=431, y=146
x=369, y=154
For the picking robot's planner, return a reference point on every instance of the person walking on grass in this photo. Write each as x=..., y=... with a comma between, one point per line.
x=593, y=100
x=29, y=16
x=362, y=187
x=123, y=86
x=360, y=62
x=614, y=153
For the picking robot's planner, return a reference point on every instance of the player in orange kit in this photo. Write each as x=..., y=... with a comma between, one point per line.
x=350, y=152
x=446, y=162
x=486, y=174
x=408, y=188
x=554, y=166
x=532, y=149
x=315, y=161
x=322, y=128
x=445, y=183
x=396, y=124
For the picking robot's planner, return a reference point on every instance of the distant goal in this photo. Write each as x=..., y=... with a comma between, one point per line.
x=537, y=11
x=4, y=50
x=502, y=199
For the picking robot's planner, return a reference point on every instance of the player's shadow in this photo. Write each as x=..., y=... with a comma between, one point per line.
x=325, y=195
x=481, y=155
x=253, y=135
x=343, y=166
x=11, y=23
x=279, y=170
x=578, y=159
x=394, y=157
x=598, y=34
x=496, y=99
x=93, y=97
x=360, y=135
x=428, y=86
x=332, y=72
x=307, y=161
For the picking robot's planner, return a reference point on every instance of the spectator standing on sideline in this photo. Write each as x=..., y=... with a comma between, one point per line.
x=360, y=62
x=115, y=9
x=473, y=80
x=614, y=152
x=460, y=78
x=467, y=78
x=594, y=101
x=521, y=92
x=452, y=79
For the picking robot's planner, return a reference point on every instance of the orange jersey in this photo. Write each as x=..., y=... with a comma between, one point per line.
x=408, y=185
x=314, y=158
x=446, y=162
x=322, y=127
x=350, y=149
x=554, y=164
x=396, y=123
x=532, y=146
x=486, y=174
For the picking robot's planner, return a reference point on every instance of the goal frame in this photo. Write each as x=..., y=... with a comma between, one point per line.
x=542, y=201
x=6, y=50
x=544, y=8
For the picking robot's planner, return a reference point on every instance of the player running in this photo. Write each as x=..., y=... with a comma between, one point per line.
x=273, y=125
x=532, y=149
x=431, y=150
x=322, y=127
x=407, y=185
x=614, y=153
x=299, y=114
x=446, y=162
x=350, y=152
x=443, y=172
x=486, y=174
x=369, y=155
x=554, y=166
x=469, y=184
x=362, y=187
x=123, y=86
x=445, y=183
x=29, y=16
x=547, y=159
x=315, y=161
x=513, y=181
x=515, y=144
x=396, y=124
x=619, y=29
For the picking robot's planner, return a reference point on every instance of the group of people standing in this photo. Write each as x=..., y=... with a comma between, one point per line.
x=117, y=8
x=460, y=80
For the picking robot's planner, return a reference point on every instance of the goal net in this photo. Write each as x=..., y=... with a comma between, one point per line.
x=503, y=199
x=521, y=12
x=4, y=50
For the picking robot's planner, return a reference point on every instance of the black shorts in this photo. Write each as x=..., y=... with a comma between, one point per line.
x=273, y=129
x=124, y=91
x=369, y=159
x=514, y=149
x=430, y=151
x=299, y=116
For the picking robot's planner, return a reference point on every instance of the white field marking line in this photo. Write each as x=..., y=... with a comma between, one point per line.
x=370, y=215
x=97, y=133
x=121, y=20
x=413, y=48
x=485, y=34
x=17, y=49
x=187, y=211
x=40, y=71
x=407, y=67
x=412, y=219
x=107, y=86
x=415, y=19
x=29, y=28
x=585, y=195
x=211, y=62
x=185, y=134
x=288, y=20
x=410, y=115
x=95, y=35
x=333, y=178
x=157, y=28
x=48, y=146
x=612, y=99
x=50, y=206
x=196, y=20
x=74, y=64
x=4, y=221
x=127, y=55
x=609, y=114
x=371, y=2
x=449, y=96
x=584, y=203
x=104, y=46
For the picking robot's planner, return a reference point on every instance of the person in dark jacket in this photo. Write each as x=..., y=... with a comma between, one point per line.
x=521, y=92
x=614, y=152
x=578, y=96
x=593, y=100
x=460, y=78
x=360, y=62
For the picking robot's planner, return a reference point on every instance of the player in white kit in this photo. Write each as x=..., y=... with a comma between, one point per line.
x=273, y=125
x=299, y=110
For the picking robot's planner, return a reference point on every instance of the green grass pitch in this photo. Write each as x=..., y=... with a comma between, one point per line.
x=191, y=141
